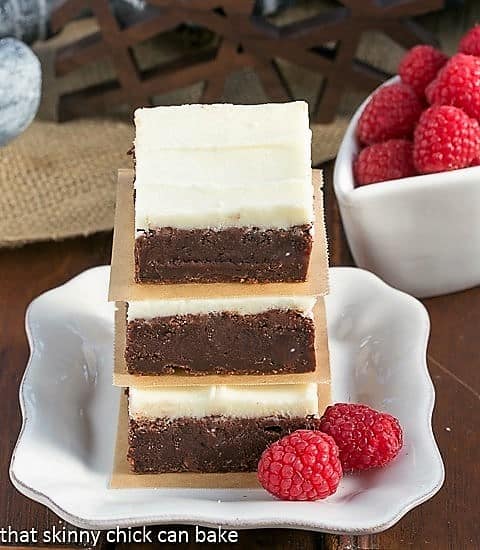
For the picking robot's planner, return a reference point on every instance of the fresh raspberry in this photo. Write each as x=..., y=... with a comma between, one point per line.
x=391, y=113
x=301, y=466
x=419, y=67
x=390, y=160
x=458, y=84
x=445, y=139
x=470, y=43
x=365, y=437
x=429, y=91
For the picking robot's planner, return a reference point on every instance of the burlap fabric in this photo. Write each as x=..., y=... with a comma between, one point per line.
x=58, y=180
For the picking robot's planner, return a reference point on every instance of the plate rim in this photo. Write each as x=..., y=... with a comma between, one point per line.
x=237, y=524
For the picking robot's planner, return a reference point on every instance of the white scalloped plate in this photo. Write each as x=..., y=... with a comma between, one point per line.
x=378, y=339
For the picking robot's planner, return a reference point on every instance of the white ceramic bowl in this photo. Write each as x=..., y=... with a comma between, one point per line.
x=419, y=234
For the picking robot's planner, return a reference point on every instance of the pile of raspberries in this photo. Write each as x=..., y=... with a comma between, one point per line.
x=428, y=121
x=309, y=464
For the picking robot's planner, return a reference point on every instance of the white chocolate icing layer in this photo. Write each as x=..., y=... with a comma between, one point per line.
x=287, y=400
x=216, y=166
x=221, y=167
x=148, y=309
x=221, y=124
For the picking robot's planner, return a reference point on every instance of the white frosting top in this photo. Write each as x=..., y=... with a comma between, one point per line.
x=214, y=166
x=221, y=125
x=231, y=401
x=148, y=309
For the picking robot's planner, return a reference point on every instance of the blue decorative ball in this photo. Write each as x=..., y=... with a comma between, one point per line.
x=20, y=88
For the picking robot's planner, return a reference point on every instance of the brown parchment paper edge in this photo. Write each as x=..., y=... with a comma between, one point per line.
x=124, y=288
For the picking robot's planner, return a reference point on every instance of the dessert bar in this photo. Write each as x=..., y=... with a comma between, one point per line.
x=223, y=193
x=213, y=428
x=248, y=335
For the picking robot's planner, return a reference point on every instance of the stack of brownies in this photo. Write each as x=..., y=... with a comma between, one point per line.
x=219, y=273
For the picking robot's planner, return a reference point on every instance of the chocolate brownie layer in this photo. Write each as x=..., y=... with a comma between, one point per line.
x=209, y=444
x=271, y=342
x=169, y=255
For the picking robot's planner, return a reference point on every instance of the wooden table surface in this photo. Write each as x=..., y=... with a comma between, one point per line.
x=448, y=521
